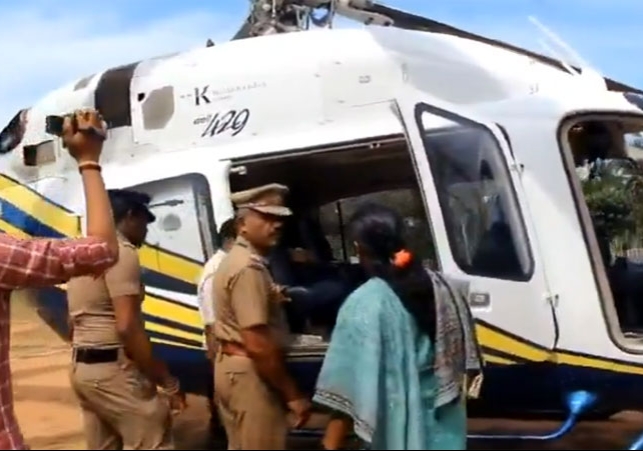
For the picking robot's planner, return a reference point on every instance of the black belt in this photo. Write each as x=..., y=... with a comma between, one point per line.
x=91, y=355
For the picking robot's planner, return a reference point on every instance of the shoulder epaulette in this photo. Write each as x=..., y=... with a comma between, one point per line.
x=257, y=261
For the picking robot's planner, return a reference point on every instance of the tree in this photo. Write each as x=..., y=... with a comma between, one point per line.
x=613, y=191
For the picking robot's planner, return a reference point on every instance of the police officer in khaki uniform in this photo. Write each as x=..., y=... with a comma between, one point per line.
x=253, y=390
x=113, y=372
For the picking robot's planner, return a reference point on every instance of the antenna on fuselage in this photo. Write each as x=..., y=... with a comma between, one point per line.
x=587, y=74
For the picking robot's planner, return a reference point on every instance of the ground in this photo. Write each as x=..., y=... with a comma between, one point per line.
x=50, y=417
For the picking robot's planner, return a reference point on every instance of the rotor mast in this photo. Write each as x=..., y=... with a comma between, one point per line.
x=287, y=16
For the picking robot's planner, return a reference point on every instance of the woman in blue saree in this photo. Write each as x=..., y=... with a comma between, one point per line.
x=403, y=354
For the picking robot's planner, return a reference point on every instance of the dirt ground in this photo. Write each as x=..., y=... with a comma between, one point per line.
x=50, y=418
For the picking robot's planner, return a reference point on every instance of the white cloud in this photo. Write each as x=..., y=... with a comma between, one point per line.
x=42, y=50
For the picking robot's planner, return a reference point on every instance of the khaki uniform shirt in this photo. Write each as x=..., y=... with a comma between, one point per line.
x=244, y=298
x=90, y=300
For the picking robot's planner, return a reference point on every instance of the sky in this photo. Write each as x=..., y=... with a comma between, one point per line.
x=45, y=43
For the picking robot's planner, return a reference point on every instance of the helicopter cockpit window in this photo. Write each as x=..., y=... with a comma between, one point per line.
x=12, y=134
x=481, y=213
x=184, y=221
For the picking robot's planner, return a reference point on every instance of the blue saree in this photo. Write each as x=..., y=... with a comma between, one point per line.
x=382, y=372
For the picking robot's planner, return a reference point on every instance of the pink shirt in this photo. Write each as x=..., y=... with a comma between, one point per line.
x=37, y=263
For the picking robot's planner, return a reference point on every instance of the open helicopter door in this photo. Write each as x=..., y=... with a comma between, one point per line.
x=483, y=234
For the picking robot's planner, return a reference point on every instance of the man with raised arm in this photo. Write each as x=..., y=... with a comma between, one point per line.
x=36, y=262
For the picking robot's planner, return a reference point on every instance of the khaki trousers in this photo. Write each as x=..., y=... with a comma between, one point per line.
x=121, y=408
x=253, y=415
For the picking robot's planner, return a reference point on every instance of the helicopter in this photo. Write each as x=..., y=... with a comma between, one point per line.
x=477, y=142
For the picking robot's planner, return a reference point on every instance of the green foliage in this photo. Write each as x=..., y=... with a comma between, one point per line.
x=614, y=195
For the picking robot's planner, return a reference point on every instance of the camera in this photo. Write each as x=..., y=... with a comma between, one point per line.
x=54, y=125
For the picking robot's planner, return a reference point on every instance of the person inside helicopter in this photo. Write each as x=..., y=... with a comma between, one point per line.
x=303, y=263
x=591, y=141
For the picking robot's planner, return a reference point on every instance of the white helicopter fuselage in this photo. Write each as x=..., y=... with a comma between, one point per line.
x=181, y=124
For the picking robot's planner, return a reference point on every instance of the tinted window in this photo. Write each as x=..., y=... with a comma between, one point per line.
x=481, y=213
x=12, y=134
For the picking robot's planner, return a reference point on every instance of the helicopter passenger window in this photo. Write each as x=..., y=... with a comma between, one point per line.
x=184, y=221
x=482, y=217
x=607, y=155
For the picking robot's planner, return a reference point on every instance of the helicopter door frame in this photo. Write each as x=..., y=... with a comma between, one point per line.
x=516, y=323
x=196, y=160
x=218, y=178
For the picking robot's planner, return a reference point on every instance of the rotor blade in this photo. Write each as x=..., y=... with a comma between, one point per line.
x=244, y=31
x=410, y=21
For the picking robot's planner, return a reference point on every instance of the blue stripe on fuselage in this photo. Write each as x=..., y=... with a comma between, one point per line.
x=26, y=222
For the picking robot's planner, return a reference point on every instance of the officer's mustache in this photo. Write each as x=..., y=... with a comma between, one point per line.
x=277, y=231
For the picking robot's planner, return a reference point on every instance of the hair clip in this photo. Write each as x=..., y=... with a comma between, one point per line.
x=402, y=258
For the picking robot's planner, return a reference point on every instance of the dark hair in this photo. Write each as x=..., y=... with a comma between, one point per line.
x=126, y=202
x=228, y=231
x=379, y=231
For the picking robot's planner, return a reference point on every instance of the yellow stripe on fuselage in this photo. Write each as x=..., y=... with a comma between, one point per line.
x=183, y=269
x=68, y=224
x=39, y=207
x=169, y=264
x=165, y=310
x=166, y=330
x=172, y=311
x=509, y=345
x=12, y=230
x=175, y=344
x=497, y=360
x=598, y=363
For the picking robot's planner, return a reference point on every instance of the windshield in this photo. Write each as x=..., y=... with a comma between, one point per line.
x=12, y=134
